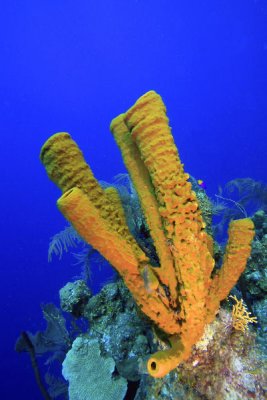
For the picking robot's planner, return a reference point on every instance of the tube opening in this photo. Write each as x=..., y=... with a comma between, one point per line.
x=153, y=366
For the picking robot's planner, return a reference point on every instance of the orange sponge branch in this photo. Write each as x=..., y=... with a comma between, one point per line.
x=94, y=229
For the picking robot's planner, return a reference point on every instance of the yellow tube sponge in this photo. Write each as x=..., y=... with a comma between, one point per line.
x=86, y=219
x=240, y=236
x=148, y=124
x=94, y=229
x=180, y=295
x=178, y=207
x=67, y=168
x=162, y=362
x=142, y=183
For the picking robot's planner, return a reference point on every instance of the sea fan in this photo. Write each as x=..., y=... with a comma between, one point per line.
x=218, y=206
x=83, y=259
x=61, y=242
x=239, y=198
x=250, y=192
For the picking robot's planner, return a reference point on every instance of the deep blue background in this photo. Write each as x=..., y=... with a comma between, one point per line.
x=73, y=66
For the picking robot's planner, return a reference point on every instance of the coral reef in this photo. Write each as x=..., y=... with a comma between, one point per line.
x=74, y=296
x=51, y=347
x=180, y=295
x=225, y=363
x=120, y=328
x=89, y=374
x=253, y=284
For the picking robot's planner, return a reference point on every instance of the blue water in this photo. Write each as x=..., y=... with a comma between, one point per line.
x=73, y=66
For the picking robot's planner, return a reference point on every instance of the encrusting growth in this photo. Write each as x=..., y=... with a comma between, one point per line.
x=182, y=296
